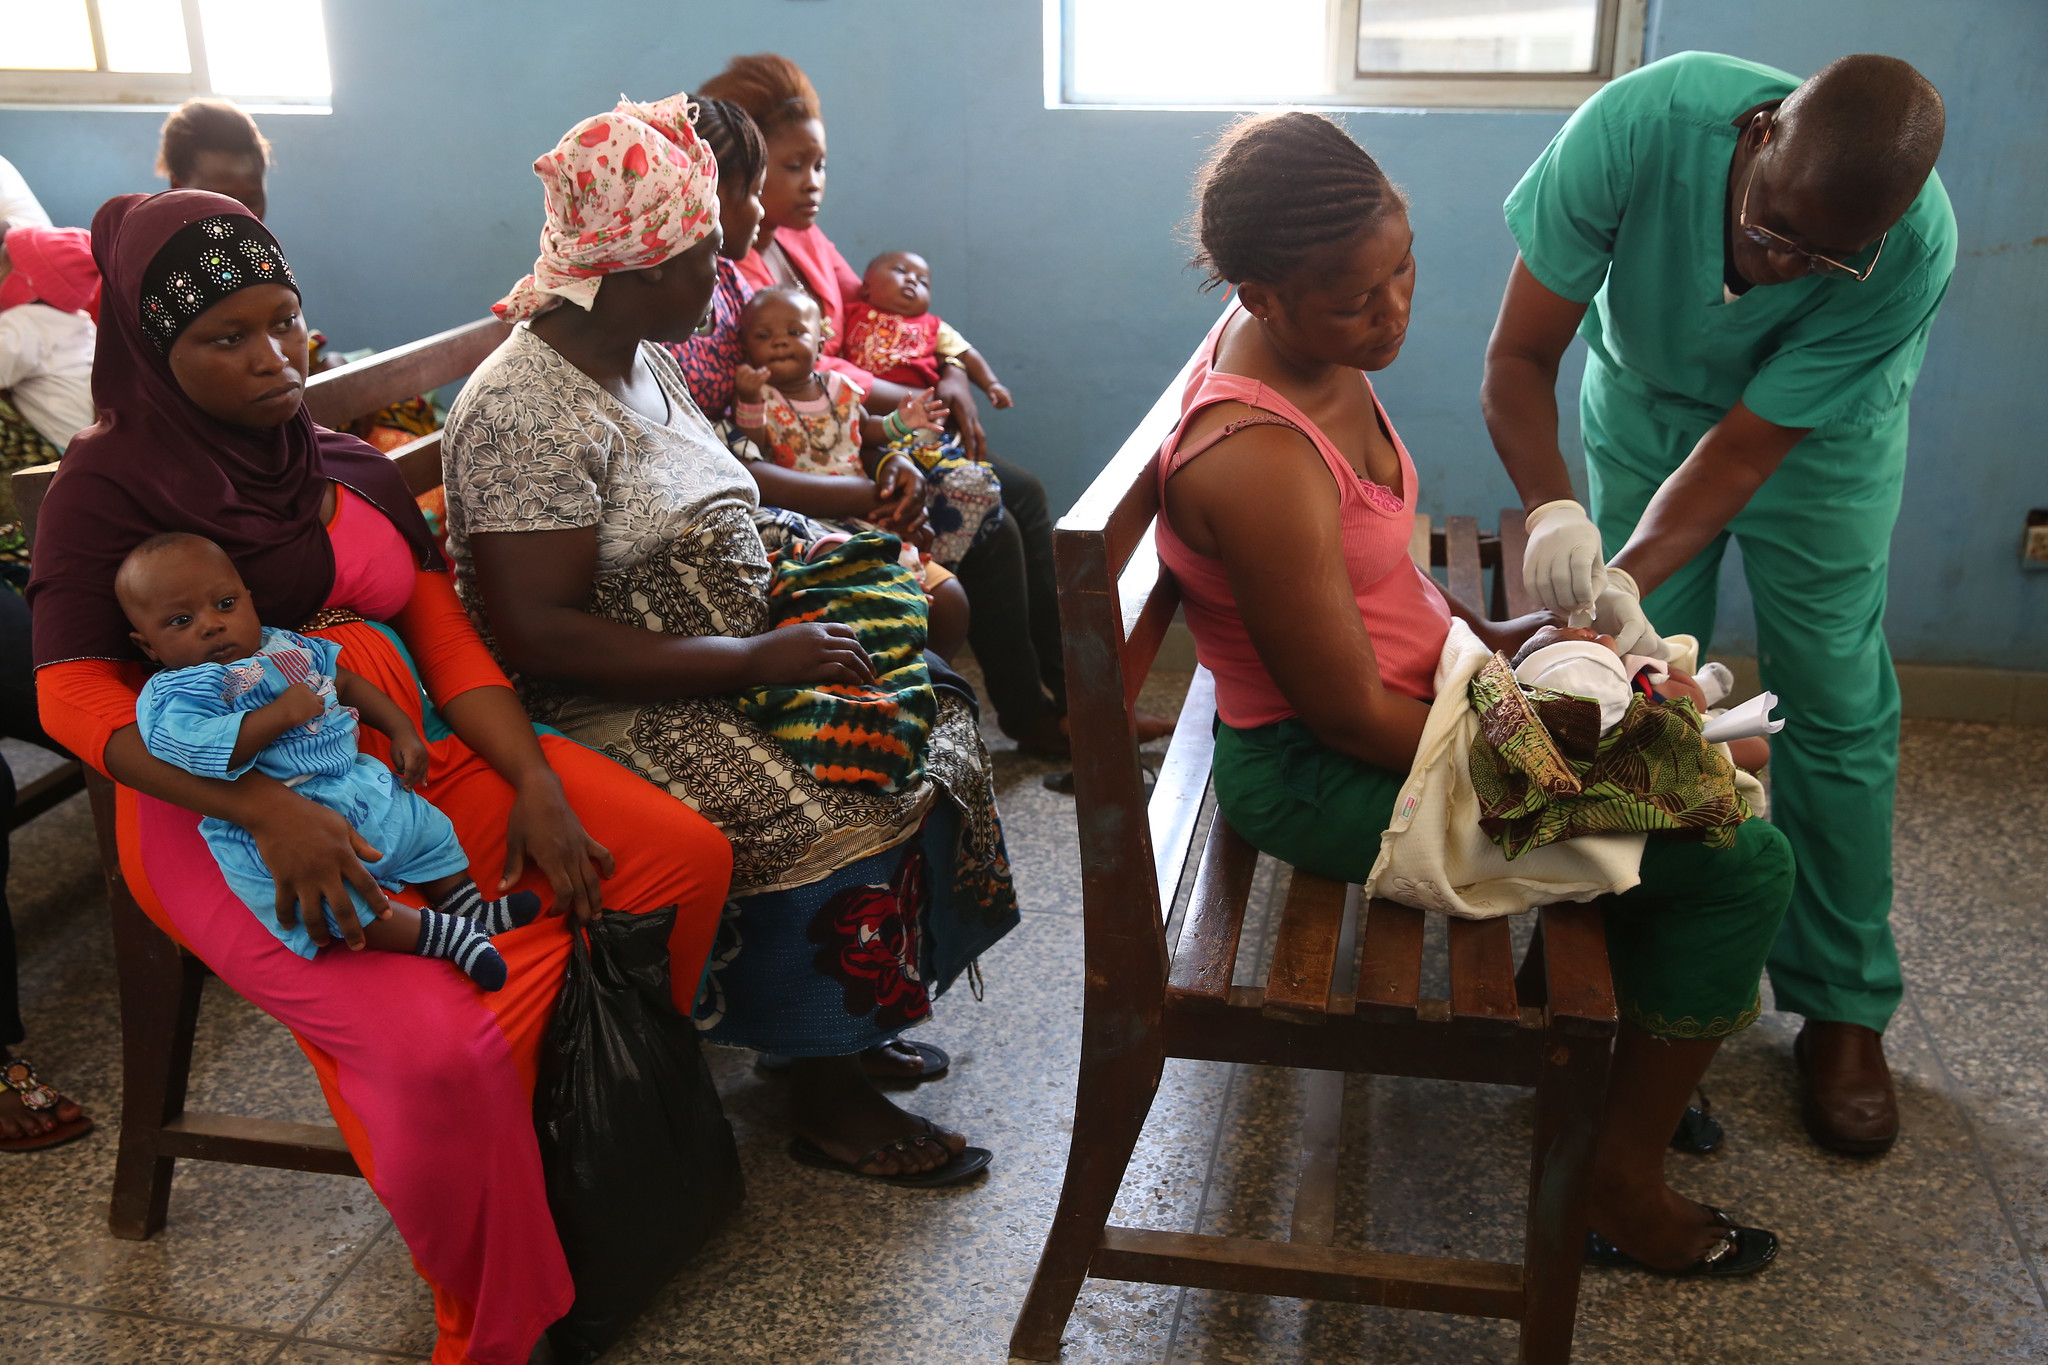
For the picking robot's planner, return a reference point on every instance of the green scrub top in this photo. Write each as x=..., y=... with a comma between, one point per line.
x=1627, y=209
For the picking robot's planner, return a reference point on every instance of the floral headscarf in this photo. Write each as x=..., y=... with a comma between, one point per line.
x=625, y=190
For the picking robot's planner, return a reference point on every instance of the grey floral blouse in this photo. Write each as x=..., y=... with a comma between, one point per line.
x=534, y=444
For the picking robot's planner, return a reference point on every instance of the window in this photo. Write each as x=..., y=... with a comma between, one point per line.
x=162, y=51
x=1209, y=53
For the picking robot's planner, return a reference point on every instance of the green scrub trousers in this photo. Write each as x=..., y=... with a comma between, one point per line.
x=1815, y=543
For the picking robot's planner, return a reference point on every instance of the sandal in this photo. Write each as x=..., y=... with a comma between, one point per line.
x=971, y=1161
x=1698, y=1131
x=936, y=1064
x=1741, y=1251
x=18, y=1074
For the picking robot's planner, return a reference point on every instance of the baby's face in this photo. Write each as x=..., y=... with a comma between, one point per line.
x=899, y=282
x=782, y=337
x=188, y=606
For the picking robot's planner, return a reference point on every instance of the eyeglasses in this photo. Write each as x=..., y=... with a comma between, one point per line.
x=1771, y=241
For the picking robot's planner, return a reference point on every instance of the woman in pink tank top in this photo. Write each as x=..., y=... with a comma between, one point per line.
x=1288, y=500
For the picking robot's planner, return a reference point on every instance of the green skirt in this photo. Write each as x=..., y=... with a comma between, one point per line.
x=1688, y=943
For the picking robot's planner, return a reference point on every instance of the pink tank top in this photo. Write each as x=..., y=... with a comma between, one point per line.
x=373, y=566
x=1404, y=612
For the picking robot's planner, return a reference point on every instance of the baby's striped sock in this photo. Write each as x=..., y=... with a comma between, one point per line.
x=460, y=941
x=467, y=901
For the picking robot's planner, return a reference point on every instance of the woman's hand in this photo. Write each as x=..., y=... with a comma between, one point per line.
x=315, y=856
x=1547, y=636
x=750, y=382
x=958, y=392
x=545, y=829
x=899, y=491
x=1508, y=637
x=808, y=653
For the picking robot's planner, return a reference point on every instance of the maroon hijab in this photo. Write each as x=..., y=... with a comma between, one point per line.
x=155, y=462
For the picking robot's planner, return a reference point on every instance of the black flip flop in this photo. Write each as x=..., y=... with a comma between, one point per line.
x=971, y=1161
x=1699, y=1133
x=937, y=1062
x=1742, y=1251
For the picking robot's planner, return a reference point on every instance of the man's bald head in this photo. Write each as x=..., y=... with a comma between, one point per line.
x=1863, y=133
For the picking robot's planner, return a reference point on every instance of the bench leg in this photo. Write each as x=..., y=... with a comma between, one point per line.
x=1113, y=1097
x=1568, y=1102
x=159, y=985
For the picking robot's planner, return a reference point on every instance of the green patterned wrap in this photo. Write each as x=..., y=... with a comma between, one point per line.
x=869, y=736
x=1543, y=771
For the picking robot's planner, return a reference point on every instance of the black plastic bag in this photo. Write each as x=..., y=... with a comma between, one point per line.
x=640, y=1162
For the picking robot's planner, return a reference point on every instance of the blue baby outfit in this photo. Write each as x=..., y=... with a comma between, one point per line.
x=191, y=717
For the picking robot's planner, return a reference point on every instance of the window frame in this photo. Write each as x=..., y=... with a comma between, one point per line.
x=39, y=88
x=1618, y=50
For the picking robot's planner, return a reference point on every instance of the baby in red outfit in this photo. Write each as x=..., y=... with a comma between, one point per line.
x=892, y=333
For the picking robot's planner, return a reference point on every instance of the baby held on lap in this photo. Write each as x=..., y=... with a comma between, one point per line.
x=1585, y=664
x=233, y=695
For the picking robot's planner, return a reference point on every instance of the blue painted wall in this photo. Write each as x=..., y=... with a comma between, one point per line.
x=1051, y=232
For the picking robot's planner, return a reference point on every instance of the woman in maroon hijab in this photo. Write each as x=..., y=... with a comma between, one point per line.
x=199, y=382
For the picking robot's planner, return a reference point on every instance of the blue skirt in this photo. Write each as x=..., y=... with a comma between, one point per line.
x=853, y=959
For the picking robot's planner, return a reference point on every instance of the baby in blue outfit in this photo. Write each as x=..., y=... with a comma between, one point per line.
x=235, y=695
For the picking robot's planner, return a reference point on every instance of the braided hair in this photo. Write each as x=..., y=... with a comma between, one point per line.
x=734, y=139
x=1278, y=190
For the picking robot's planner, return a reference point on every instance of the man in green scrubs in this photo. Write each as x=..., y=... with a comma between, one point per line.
x=1754, y=263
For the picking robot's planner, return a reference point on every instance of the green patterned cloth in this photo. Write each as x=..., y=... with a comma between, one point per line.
x=21, y=446
x=1543, y=771
x=870, y=736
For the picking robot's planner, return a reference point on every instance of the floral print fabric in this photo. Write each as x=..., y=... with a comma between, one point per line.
x=826, y=442
x=709, y=358
x=625, y=190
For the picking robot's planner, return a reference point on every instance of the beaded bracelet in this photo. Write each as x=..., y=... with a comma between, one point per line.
x=748, y=414
x=894, y=427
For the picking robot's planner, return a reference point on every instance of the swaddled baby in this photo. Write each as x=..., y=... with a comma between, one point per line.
x=1571, y=743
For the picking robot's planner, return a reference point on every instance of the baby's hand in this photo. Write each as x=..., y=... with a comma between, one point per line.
x=921, y=411
x=750, y=381
x=999, y=393
x=297, y=704
x=409, y=758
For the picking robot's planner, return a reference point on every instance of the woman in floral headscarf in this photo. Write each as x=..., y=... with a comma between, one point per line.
x=605, y=541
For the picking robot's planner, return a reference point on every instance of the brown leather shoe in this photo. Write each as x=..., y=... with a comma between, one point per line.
x=1849, y=1103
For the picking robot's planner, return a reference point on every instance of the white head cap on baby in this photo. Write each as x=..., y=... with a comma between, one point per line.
x=1582, y=668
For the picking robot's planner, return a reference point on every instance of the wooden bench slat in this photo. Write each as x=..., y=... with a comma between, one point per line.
x=375, y=382
x=1390, y=960
x=1514, y=543
x=1182, y=784
x=53, y=788
x=1575, y=965
x=1483, y=970
x=1148, y=598
x=1306, y=1271
x=1305, y=950
x=1461, y=558
x=1206, y=957
x=1419, y=542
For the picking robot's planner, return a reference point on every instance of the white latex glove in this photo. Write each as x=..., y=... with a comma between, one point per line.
x=1618, y=611
x=1562, y=566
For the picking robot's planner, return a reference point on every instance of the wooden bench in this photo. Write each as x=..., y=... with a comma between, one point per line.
x=159, y=982
x=1343, y=993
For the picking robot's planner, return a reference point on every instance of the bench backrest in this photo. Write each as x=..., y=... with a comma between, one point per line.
x=340, y=396
x=1116, y=605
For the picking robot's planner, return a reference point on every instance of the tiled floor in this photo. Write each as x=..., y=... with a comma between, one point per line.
x=1934, y=1253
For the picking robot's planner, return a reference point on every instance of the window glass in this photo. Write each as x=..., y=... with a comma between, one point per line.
x=1406, y=36
x=145, y=35
x=45, y=35
x=1195, y=51
x=266, y=47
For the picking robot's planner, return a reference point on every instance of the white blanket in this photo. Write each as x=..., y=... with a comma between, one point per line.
x=1436, y=857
